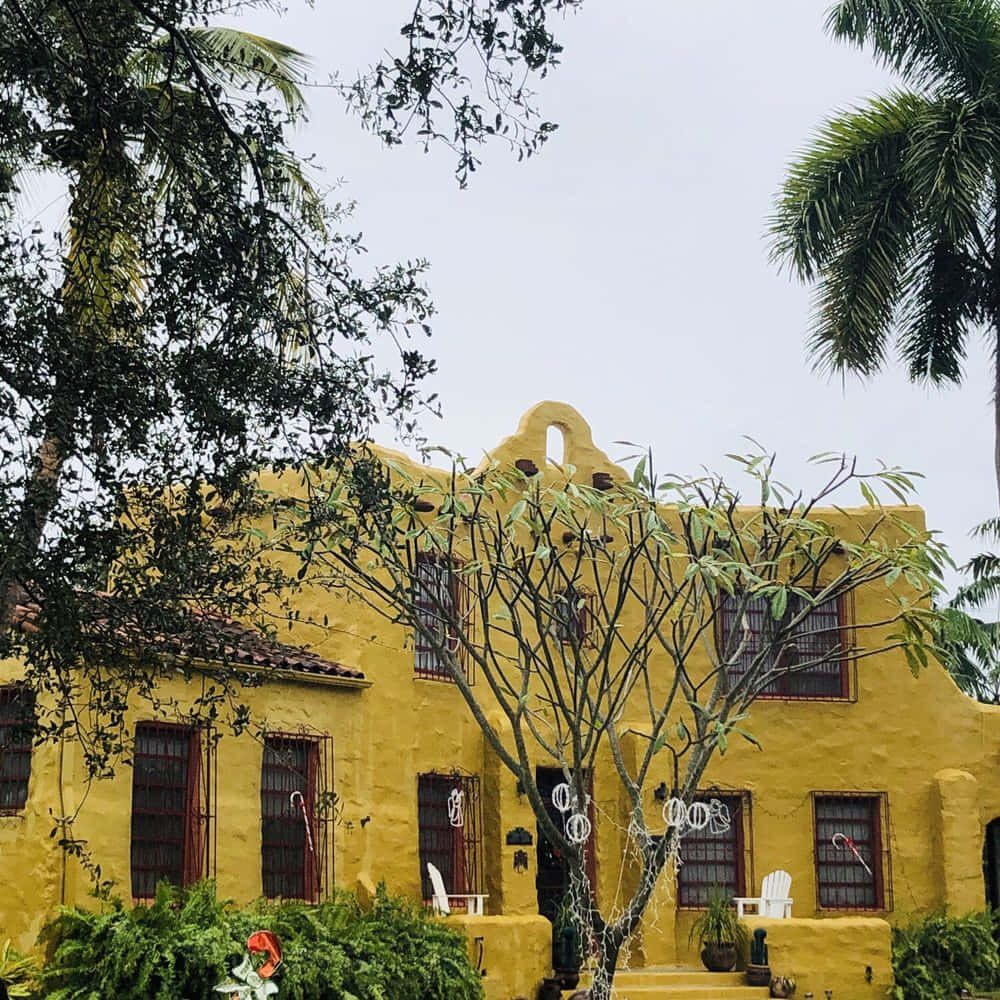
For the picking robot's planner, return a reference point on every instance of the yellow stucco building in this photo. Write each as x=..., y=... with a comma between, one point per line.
x=908, y=766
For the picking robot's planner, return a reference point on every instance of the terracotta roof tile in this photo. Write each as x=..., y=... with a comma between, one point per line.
x=215, y=638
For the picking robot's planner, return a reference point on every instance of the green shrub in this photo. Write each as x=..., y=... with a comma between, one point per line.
x=183, y=944
x=935, y=958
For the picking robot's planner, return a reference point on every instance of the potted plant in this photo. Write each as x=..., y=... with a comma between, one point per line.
x=722, y=935
x=567, y=946
x=758, y=971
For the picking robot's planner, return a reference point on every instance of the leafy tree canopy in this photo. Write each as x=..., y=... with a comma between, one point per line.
x=892, y=209
x=203, y=313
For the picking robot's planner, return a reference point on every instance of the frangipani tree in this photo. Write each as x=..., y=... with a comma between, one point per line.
x=615, y=622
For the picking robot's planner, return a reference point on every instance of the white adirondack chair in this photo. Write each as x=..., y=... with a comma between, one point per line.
x=773, y=901
x=441, y=899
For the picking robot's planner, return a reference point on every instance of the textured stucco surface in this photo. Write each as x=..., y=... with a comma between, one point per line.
x=516, y=952
x=931, y=750
x=831, y=955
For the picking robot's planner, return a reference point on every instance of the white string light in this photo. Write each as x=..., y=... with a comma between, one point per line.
x=577, y=829
x=562, y=795
x=456, y=807
x=698, y=815
x=719, y=820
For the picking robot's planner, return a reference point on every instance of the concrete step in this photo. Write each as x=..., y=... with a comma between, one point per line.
x=706, y=992
x=678, y=977
x=680, y=983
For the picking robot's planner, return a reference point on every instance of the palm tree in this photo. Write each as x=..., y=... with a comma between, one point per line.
x=893, y=211
x=103, y=268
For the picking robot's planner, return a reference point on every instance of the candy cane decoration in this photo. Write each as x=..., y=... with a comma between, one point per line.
x=842, y=842
x=305, y=820
x=456, y=807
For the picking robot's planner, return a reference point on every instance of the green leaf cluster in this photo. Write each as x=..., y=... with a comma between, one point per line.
x=187, y=940
x=18, y=972
x=939, y=956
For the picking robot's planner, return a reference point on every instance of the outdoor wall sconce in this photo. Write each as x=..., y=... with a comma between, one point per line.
x=521, y=861
x=519, y=836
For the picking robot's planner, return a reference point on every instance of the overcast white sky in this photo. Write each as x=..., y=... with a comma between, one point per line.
x=625, y=270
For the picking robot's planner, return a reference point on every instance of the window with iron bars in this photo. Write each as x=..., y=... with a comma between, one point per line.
x=456, y=851
x=17, y=715
x=296, y=830
x=846, y=880
x=820, y=639
x=441, y=598
x=574, y=614
x=712, y=859
x=173, y=789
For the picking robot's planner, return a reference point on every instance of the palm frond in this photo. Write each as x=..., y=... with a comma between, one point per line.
x=862, y=284
x=837, y=176
x=987, y=530
x=929, y=42
x=945, y=300
x=241, y=58
x=949, y=164
x=970, y=651
x=984, y=588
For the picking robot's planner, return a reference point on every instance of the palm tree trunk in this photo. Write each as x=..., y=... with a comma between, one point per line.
x=996, y=404
x=40, y=495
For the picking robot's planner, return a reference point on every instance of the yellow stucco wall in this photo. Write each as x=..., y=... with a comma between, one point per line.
x=930, y=750
x=851, y=956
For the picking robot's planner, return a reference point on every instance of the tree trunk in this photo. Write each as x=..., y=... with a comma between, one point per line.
x=996, y=404
x=607, y=960
x=40, y=495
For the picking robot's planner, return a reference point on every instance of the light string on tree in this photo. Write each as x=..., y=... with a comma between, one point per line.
x=713, y=815
x=577, y=825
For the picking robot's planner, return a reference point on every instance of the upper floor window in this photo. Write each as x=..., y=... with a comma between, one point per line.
x=295, y=819
x=812, y=654
x=714, y=859
x=851, y=863
x=171, y=788
x=449, y=823
x=17, y=713
x=441, y=601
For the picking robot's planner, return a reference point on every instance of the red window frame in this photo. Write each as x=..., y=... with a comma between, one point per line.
x=456, y=851
x=841, y=881
x=714, y=859
x=829, y=680
x=290, y=867
x=17, y=712
x=437, y=583
x=172, y=790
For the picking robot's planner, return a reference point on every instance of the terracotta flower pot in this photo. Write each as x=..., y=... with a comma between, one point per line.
x=718, y=957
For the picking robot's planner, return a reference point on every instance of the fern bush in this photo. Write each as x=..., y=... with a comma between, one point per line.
x=935, y=958
x=179, y=947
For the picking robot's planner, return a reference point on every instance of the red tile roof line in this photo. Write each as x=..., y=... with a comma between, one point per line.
x=237, y=643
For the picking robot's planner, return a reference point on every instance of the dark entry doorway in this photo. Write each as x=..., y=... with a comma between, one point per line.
x=991, y=864
x=552, y=877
